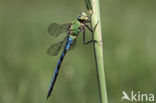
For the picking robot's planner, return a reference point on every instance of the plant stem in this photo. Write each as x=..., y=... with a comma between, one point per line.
x=98, y=50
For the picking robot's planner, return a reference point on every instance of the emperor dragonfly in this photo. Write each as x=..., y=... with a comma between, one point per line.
x=73, y=30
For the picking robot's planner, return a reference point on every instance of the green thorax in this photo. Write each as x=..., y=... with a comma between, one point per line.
x=72, y=37
x=75, y=27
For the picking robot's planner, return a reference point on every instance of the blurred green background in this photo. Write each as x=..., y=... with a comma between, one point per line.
x=129, y=34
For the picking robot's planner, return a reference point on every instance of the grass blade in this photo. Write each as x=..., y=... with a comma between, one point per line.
x=88, y=5
x=98, y=49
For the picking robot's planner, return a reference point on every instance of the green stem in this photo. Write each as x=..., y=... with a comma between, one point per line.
x=98, y=50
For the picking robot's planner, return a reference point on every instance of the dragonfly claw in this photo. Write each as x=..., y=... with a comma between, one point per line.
x=98, y=42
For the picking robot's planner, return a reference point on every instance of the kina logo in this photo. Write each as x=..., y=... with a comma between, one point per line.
x=137, y=97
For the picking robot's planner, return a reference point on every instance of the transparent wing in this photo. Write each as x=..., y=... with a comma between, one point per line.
x=57, y=29
x=55, y=48
x=72, y=46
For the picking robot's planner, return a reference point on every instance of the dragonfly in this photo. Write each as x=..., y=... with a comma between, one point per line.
x=72, y=30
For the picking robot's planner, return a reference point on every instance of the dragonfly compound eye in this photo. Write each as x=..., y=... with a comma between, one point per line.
x=83, y=16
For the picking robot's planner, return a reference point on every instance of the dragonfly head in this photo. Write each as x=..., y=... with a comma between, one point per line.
x=82, y=17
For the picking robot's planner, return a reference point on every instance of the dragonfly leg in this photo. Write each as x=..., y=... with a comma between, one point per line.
x=90, y=41
x=90, y=29
x=95, y=25
x=84, y=38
